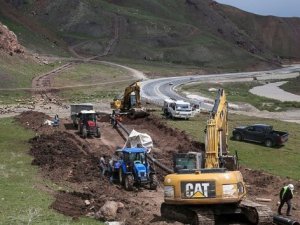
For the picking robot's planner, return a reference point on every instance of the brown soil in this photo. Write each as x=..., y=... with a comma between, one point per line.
x=72, y=163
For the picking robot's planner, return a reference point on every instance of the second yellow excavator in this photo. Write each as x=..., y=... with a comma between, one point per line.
x=130, y=102
x=207, y=185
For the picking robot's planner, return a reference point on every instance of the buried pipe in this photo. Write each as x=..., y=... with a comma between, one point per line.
x=157, y=163
x=280, y=220
x=161, y=166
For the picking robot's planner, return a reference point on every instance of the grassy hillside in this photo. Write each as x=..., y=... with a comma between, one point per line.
x=30, y=33
x=279, y=35
x=182, y=32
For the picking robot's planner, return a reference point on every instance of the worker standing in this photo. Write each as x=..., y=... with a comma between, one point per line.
x=286, y=195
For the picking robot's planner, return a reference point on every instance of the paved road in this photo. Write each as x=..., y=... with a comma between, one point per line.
x=156, y=90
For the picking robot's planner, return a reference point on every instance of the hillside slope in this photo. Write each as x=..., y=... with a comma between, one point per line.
x=279, y=35
x=198, y=32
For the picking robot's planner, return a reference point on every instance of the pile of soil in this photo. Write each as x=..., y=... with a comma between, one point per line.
x=33, y=120
x=9, y=41
x=166, y=140
x=65, y=162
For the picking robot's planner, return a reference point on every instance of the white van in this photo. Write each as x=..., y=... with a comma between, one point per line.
x=177, y=109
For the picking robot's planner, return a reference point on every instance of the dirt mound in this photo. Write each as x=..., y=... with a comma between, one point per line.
x=167, y=139
x=33, y=120
x=9, y=41
x=64, y=162
x=62, y=158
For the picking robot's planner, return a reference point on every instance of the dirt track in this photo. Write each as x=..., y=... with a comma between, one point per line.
x=72, y=163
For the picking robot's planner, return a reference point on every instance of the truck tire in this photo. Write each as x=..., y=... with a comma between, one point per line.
x=269, y=143
x=153, y=181
x=98, y=134
x=128, y=183
x=84, y=132
x=238, y=137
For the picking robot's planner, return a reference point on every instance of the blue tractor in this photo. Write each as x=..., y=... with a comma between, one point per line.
x=133, y=169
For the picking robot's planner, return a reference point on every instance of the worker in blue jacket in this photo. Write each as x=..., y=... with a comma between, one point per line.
x=286, y=195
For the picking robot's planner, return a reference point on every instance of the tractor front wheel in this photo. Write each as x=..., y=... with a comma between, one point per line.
x=121, y=176
x=129, y=181
x=153, y=182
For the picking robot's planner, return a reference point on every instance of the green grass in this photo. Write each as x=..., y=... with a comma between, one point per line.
x=111, y=81
x=14, y=97
x=282, y=161
x=17, y=72
x=158, y=69
x=22, y=202
x=239, y=92
x=103, y=92
x=89, y=73
x=293, y=86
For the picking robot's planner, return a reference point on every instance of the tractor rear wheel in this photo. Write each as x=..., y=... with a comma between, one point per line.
x=98, y=133
x=129, y=181
x=153, y=182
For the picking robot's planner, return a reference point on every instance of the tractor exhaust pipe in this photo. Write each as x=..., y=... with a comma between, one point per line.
x=280, y=220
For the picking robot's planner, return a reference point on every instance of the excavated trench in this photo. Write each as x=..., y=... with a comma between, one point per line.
x=72, y=164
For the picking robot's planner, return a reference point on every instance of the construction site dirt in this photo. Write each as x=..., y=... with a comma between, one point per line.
x=72, y=163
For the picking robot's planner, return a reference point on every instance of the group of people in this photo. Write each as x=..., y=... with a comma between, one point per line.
x=108, y=166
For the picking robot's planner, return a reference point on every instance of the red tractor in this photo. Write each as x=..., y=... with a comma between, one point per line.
x=87, y=123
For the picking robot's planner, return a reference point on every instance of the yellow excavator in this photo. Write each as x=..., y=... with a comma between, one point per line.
x=205, y=186
x=130, y=102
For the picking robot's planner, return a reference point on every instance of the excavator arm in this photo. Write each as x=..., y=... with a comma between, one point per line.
x=216, y=132
x=127, y=101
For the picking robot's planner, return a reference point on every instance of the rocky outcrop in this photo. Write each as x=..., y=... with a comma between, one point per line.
x=9, y=41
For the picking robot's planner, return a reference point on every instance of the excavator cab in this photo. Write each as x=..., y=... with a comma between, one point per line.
x=130, y=102
x=187, y=162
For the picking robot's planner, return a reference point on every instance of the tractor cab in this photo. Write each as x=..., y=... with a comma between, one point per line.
x=135, y=170
x=88, y=123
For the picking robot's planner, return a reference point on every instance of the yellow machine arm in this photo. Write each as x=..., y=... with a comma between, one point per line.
x=134, y=87
x=217, y=132
x=125, y=103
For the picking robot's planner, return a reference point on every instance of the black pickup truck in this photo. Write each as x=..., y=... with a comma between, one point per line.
x=260, y=133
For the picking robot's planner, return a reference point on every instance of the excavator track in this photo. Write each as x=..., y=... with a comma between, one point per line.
x=257, y=213
x=188, y=215
x=203, y=217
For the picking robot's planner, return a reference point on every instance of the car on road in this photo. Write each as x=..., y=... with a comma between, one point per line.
x=260, y=133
